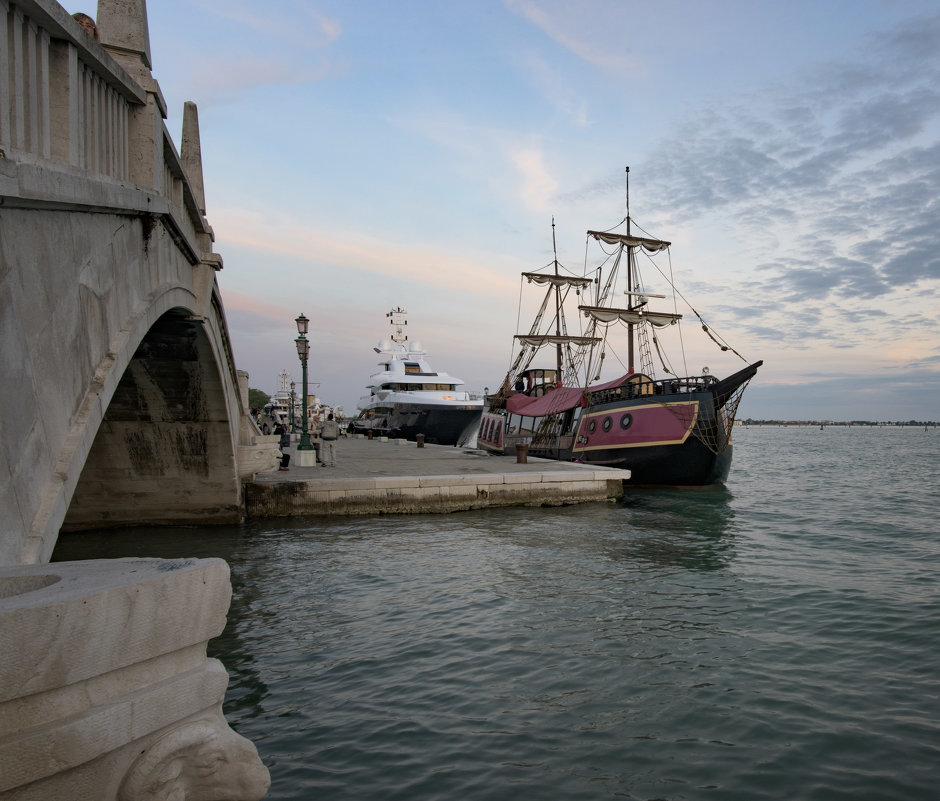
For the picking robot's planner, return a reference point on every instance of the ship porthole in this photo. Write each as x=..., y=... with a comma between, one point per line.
x=607, y=424
x=592, y=426
x=626, y=421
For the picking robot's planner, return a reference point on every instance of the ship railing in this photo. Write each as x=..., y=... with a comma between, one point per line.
x=650, y=389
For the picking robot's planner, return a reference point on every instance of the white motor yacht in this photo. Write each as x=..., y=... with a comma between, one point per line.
x=407, y=397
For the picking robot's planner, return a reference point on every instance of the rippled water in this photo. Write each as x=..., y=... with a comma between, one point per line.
x=778, y=639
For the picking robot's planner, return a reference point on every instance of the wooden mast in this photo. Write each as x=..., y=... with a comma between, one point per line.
x=557, y=307
x=630, y=365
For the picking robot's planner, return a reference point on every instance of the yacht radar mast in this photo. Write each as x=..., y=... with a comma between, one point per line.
x=397, y=318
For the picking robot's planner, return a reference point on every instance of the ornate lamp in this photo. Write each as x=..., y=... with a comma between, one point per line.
x=303, y=351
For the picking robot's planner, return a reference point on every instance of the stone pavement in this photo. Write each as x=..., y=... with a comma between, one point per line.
x=395, y=476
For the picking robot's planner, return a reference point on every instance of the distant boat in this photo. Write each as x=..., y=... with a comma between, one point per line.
x=668, y=431
x=407, y=398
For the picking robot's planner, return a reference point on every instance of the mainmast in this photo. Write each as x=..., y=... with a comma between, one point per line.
x=630, y=364
x=557, y=306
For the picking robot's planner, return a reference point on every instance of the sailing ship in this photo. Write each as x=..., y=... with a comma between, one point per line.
x=670, y=430
x=407, y=398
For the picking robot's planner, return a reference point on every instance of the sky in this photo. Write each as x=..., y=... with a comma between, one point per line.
x=360, y=155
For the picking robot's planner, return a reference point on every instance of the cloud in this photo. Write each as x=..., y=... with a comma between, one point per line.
x=259, y=313
x=218, y=79
x=841, y=173
x=555, y=88
x=904, y=394
x=281, y=44
x=294, y=23
x=565, y=25
x=351, y=252
x=515, y=164
x=537, y=185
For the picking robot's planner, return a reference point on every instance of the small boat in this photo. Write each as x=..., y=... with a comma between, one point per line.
x=407, y=398
x=671, y=430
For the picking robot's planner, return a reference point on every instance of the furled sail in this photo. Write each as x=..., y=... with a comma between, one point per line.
x=557, y=280
x=649, y=245
x=537, y=340
x=603, y=314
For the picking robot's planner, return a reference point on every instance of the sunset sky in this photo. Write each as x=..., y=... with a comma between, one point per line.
x=360, y=155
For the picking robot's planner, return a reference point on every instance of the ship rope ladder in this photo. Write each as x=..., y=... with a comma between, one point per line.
x=547, y=432
x=646, y=356
x=716, y=434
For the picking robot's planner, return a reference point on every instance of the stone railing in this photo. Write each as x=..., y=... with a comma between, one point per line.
x=62, y=97
x=90, y=108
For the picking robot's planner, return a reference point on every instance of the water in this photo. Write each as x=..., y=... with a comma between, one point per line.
x=776, y=639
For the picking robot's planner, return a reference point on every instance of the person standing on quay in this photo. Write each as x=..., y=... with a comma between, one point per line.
x=285, y=445
x=328, y=436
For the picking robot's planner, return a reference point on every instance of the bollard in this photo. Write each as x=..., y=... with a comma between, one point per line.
x=522, y=454
x=419, y=438
x=370, y=433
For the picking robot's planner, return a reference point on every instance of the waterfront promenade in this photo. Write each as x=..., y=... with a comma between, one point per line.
x=396, y=477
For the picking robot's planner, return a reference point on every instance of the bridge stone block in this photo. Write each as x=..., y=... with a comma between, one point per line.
x=112, y=696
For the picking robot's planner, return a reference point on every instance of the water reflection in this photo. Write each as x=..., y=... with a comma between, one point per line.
x=687, y=529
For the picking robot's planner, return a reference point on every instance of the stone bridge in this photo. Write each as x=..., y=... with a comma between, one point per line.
x=120, y=400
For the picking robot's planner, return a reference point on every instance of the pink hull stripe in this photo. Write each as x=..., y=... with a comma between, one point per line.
x=491, y=430
x=654, y=424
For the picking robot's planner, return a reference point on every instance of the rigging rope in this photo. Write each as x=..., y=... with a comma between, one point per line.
x=518, y=317
x=722, y=342
x=675, y=308
x=662, y=358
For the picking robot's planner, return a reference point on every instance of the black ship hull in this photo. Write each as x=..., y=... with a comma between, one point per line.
x=440, y=425
x=690, y=464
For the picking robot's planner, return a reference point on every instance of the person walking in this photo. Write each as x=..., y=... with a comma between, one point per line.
x=329, y=433
x=285, y=445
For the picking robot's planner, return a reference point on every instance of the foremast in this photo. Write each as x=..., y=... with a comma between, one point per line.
x=566, y=360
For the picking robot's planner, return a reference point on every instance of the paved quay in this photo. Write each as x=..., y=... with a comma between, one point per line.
x=381, y=476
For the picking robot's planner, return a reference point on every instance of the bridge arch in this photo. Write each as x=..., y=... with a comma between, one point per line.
x=137, y=375
x=164, y=449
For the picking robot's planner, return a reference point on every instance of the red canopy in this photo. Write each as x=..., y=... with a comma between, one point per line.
x=557, y=400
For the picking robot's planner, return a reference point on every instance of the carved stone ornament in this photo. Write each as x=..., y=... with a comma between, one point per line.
x=199, y=761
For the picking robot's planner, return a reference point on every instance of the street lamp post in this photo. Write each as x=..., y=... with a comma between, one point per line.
x=303, y=351
x=293, y=419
